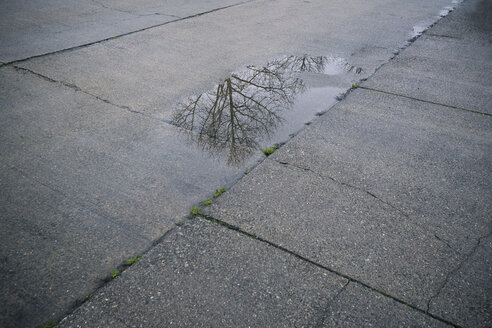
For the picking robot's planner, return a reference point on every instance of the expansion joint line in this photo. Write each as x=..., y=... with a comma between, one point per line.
x=425, y=101
x=340, y=274
x=442, y=240
x=455, y=270
x=127, y=33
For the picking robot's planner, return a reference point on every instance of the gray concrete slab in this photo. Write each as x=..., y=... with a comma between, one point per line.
x=466, y=296
x=54, y=251
x=427, y=161
x=444, y=67
x=130, y=172
x=31, y=28
x=152, y=71
x=340, y=227
x=204, y=275
x=358, y=306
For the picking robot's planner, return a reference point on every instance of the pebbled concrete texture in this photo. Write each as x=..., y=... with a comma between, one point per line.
x=204, y=275
x=432, y=69
x=358, y=306
x=93, y=173
x=465, y=298
x=340, y=227
x=425, y=160
x=32, y=28
x=152, y=71
x=42, y=275
x=128, y=178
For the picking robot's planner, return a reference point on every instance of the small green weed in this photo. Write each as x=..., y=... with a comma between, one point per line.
x=180, y=223
x=309, y=123
x=219, y=192
x=195, y=210
x=50, y=324
x=246, y=172
x=132, y=260
x=268, y=151
x=207, y=202
x=355, y=86
x=89, y=296
x=115, y=273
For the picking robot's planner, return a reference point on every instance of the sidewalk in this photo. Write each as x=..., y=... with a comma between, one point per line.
x=377, y=214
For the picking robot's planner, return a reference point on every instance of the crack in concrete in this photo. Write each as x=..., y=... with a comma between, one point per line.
x=455, y=270
x=324, y=315
x=445, y=242
x=425, y=101
x=122, y=107
x=340, y=274
x=85, y=45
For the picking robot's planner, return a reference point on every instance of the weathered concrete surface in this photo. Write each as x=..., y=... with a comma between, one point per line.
x=84, y=186
x=425, y=160
x=153, y=70
x=432, y=69
x=205, y=275
x=466, y=297
x=340, y=227
x=70, y=155
x=32, y=28
x=358, y=306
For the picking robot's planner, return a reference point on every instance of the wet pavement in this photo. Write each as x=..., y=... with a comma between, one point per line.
x=105, y=147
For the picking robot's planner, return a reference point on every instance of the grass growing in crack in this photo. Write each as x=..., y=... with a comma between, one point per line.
x=195, y=210
x=309, y=123
x=207, y=202
x=219, y=192
x=89, y=296
x=50, y=324
x=355, y=86
x=114, y=273
x=180, y=223
x=246, y=172
x=271, y=150
x=132, y=260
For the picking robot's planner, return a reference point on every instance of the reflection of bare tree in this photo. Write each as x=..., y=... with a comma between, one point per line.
x=246, y=107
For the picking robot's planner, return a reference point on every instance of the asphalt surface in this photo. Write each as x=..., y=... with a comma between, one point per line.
x=376, y=214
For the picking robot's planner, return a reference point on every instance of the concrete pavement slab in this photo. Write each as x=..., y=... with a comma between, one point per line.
x=466, y=297
x=130, y=172
x=54, y=251
x=205, y=275
x=443, y=68
x=427, y=161
x=341, y=227
x=152, y=71
x=358, y=306
x=32, y=28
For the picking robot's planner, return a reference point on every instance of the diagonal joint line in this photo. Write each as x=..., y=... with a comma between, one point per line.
x=305, y=259
x=425, y=101
x=85, y=45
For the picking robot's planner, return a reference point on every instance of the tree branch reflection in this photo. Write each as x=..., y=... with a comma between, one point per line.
x=246, y=107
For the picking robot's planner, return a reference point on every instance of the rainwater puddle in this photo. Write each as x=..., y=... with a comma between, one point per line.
x=265, y=105
x=422, y=26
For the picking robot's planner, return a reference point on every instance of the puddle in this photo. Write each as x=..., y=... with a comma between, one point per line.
x=422, y=26
x=263, y=105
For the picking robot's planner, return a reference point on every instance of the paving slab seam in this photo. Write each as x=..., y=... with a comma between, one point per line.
x=324, y=315
x=450, y=273
x=425, y=101
x=372, y=195
x=85, y=45
x=340, y=274
x=121, y=268
x=122, y=107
